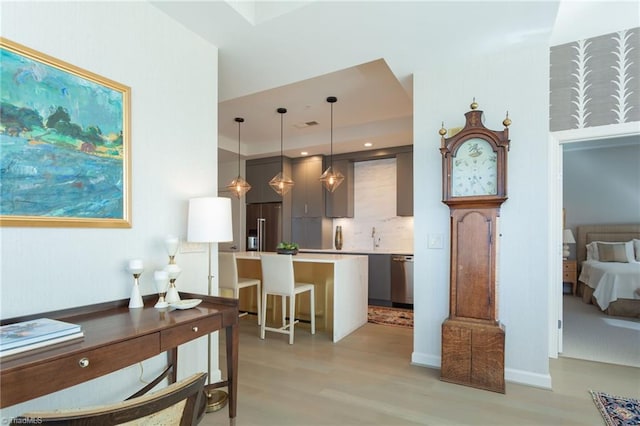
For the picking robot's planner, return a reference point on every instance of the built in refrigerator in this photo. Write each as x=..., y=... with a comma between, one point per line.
x=264, y=226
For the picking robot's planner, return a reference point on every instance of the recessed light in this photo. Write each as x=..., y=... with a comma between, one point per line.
x=304, y=153
x=368, y=144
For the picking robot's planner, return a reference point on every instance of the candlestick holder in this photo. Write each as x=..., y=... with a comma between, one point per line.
x=162, y=279
x=136, y=268
x=173, y=271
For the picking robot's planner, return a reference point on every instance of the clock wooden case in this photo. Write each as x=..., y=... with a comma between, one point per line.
x=474, y=186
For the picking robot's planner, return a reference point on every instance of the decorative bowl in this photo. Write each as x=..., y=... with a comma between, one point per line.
x=185, y=303
x=287, y=251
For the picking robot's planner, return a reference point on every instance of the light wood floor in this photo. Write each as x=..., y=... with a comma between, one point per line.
x=367, y=379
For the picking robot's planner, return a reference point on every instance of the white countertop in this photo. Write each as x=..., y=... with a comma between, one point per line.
x=304, y=257
x=358, y=251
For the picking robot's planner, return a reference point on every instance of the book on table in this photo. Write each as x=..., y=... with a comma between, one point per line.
x=45, y=345
x=37, y=333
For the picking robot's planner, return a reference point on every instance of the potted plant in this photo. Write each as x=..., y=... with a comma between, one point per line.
x=287, y=248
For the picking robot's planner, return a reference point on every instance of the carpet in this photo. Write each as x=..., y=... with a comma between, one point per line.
x=391, y=316
x=591, y=335
x=617, y=411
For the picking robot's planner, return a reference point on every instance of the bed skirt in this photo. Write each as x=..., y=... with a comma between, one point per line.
x=619, y=308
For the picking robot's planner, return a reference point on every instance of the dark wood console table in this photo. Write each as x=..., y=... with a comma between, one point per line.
x=116, y=337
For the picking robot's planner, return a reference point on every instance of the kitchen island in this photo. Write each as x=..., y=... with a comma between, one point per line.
x=341, y=288
x=364, y=252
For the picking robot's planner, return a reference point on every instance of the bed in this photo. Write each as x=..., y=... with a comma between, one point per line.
x=610, y=283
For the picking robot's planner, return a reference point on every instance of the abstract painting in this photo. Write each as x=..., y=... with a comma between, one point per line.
x=64, y=143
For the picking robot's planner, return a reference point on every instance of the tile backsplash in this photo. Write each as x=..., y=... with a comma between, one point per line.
x=375, y=208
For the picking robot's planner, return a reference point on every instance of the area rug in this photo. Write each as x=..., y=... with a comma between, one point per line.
x=617, y=411
x=391, y=316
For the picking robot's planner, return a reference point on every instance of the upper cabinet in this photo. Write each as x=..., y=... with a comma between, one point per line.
x=340, y=202
x=404, y=184
x=259, y=172
x=308, y=194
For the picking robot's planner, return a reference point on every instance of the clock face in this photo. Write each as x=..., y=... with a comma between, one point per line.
x=473, y=169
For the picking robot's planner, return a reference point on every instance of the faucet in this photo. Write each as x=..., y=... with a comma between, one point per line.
x=373, y=237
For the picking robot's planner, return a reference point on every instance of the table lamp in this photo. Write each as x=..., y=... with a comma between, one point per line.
x=567, y=238
x=171, y=243
x=162, y=279
x=173, y=272
x=136, y=268
x=209, y=221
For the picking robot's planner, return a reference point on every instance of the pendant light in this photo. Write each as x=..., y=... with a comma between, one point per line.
x=280, y=183
x=239, y=186
x=331, y=178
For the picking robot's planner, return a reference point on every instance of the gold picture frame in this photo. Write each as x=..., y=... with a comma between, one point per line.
x=64, y=144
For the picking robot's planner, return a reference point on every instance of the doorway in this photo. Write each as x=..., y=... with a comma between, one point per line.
x=564, y=143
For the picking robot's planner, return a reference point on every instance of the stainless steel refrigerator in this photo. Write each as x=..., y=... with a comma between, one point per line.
x=264, y=226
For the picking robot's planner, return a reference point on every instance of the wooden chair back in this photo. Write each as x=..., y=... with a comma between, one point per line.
x=181, y=403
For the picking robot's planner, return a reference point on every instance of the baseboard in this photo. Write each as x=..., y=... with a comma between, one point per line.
x=510, y=375
x=528, y=378
x=425, y=360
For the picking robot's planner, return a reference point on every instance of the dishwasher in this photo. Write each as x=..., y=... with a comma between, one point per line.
x=402, y=280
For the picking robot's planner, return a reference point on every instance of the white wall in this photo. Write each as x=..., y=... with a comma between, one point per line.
x=601, y=185
x=173, y=76
x=515, y=80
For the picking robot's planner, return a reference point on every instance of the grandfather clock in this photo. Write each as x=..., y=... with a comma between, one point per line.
x=474, y=186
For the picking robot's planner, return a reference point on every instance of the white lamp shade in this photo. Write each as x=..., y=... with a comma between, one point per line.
x=567, y=237
x=209, y=220
x=171, y=243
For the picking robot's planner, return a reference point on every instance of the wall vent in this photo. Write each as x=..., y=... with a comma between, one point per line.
x=305, y=124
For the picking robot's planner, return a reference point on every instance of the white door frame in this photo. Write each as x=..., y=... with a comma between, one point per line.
x=556, y=140
x=555, y=238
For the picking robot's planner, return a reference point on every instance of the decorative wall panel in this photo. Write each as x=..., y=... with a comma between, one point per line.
x=595, y=81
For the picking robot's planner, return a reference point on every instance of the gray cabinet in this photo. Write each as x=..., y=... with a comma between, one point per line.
x=308, y=192
x=311, y=232
x=310, y=228
x=380, y=279
x=340, y=202
x=404, y=184
x=258, y=173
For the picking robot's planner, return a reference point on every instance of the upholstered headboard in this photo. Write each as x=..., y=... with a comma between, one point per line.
x=589, y=233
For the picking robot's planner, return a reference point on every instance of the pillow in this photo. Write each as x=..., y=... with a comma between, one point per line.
x=636, y=248
x=616, y=252
x=593, y=252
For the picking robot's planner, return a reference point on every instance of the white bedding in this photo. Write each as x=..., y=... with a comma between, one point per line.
x=611, y=280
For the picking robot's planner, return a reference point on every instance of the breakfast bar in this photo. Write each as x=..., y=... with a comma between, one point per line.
x=341, y=288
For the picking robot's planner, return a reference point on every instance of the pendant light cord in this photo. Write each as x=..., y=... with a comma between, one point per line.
x=282, y=112
x=332, y=136
x=281, y=172
x=238, y=148
x=331, y=100
x=239, y=120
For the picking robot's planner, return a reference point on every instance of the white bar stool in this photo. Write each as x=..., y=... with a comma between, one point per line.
x=229, y=279
x=278, y=279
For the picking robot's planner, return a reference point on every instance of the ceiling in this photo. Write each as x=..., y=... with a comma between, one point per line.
x=295, y=54
x=371, y=107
